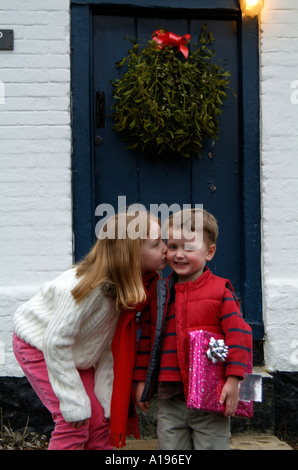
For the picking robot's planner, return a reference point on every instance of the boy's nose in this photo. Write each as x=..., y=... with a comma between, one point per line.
x=179, y=254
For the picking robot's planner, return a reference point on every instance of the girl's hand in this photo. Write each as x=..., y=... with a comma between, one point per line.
x=79, y=424
x=138, y=393
x=230, y=395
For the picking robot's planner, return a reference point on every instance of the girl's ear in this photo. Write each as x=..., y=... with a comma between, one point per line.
x=211, y=252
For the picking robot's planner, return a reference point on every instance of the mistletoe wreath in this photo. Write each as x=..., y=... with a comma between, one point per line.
x=169, y=100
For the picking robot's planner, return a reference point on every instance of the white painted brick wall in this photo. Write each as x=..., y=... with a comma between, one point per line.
x=279, y=182
x=35, y=156
x=35, y=159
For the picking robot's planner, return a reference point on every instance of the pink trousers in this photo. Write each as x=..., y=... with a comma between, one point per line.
x=94, y=435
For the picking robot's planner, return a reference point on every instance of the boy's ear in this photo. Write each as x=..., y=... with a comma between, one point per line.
x=211, y=252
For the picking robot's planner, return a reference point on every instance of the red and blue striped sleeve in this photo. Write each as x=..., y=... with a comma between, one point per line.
x=238, y=336
x=143, y=350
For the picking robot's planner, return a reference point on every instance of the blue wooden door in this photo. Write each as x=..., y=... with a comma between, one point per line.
x=215, y=182
x=226, y=185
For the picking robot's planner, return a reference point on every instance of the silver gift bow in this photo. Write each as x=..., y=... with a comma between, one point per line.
x=217, y=351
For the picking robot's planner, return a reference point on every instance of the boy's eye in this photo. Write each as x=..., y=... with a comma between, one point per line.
x=172, y=247
x=189, y=247
x=192, y=246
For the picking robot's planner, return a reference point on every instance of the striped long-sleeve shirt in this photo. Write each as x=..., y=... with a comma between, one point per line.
x=231, y=323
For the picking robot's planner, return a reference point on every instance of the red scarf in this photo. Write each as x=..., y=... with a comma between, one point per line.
x=124, y=418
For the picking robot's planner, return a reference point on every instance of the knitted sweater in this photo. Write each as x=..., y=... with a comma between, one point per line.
x=71, y=336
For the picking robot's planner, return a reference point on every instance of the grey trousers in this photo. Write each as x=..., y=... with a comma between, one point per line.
x=179, y=428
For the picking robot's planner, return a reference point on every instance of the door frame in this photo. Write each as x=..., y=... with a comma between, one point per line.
x=249, y=115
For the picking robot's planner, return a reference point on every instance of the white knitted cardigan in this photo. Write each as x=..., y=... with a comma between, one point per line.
x=71, y=336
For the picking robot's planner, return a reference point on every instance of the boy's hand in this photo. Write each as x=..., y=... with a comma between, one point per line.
x=230, y=395
x=138, y=393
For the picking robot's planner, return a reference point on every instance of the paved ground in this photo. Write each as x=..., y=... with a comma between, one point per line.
x=243, y=442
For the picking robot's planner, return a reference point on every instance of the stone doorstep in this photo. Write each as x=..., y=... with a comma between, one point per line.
x=241, y=442
x=258, y=442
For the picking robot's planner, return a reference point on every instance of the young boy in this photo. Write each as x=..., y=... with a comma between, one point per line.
x=192, y=298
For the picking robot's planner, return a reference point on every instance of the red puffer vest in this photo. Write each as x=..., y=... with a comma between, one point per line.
x=202, y=299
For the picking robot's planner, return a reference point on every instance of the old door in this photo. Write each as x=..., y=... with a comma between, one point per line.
x=215, y=182
x=218, y=182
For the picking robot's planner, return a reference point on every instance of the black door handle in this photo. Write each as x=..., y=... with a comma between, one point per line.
x=98, y=140
x=100, y=109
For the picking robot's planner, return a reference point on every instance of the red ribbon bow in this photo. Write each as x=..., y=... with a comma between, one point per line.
x=171, y=39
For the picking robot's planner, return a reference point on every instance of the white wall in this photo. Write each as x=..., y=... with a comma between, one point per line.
x=35, y=155
x=35, y=159
x=279, y=181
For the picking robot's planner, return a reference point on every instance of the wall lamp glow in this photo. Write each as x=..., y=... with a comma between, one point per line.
x=251, y=7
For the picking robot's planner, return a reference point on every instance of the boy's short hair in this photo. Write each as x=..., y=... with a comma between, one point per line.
x=188, y=218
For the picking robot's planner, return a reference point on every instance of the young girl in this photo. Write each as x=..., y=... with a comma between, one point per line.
x=62, y=336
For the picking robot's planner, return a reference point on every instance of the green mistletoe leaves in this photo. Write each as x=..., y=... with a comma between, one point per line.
x=167, y=104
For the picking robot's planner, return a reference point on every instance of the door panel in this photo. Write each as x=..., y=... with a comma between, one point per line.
x=215, y=183
x=115, y=167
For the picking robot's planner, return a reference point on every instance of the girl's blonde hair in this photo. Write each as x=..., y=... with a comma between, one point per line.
x=114, y=262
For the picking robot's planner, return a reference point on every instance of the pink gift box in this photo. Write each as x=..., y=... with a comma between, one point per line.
x=206, y=378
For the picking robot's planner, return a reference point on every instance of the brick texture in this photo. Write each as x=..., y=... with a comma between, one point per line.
x=35, y=149
x=279, y=182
